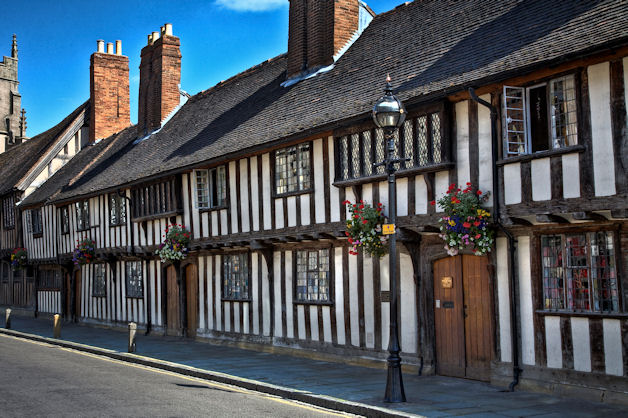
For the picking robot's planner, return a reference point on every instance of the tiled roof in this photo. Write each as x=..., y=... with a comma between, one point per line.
x=17, y=161
x=430, y=48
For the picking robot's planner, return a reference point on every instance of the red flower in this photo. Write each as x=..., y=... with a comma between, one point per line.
x=361, y=206
x=476, y=223
x=379, y=204
x=466, y=225
x=365, y=221
x=433, y=202
x=350, y=241
x=346, y=202
x=347, y=233
x=477, y=236
x=468, y=183
x=479, y=192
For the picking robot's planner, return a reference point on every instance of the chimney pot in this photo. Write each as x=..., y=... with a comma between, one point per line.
x=155, y=36
x=150, y=38
x=168, y=27
x=162, y=30
x=100, y=45
x=118, y=47
x=109, y=48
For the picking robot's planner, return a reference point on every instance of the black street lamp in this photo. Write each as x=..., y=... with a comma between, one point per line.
x=389, y=114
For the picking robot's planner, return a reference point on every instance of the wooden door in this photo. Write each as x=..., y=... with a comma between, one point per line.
x=191, y=290
x=448, y=317
x=463, y=317
x=478, y=321
x=172, y=301
x=77, y=293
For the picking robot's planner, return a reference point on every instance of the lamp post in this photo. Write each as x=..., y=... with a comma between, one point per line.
x=389, y=114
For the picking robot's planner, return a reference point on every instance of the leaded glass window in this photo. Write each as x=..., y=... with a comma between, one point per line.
x=312, y=283
x=211, y=188
x=8, y=212
x=65, y=220
x=36, y=224
x=419, y=140
x=293, y=171
x=82, y=215
x=134, y=281
x=235, y=269
x=579, y=272
x=99, y=286
x=117, y=210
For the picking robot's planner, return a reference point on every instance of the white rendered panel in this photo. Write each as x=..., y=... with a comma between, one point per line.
x=217, y=293
x=277, y=290
x=581, y=341
x=540, y=172
x=305, y=208
x=485, y=150
x=327, y=324
x=210, y=293
x=402, y=197
x=613, y=347
x=289, y=307
x=369, y=301
x=279, y=215
x=353, y=300
x=265, y=298
x=266, y=191
x=301, y=321
x=235, y=199
x=319, y=181
x=204, y=221
x=571, y=175
x=214, y=216
x=255, y=194
x=292, y=210
x=313, y=322
x=334, y=196
x=338, y=293
x=462, y=142
x=201, y=292
x=553, y=342
x=441, y=184
x=512, y=183
x=244, y=196
x=420, y=196
x=255, y=290
x=224, y=225
x=525, y=300
x=186, y=201
x=601, y=133
x=407, y=305
x=196, y=217
x=503, y=297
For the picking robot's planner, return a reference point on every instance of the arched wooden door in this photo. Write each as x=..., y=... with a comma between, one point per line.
x=463, y=317
x=173, y=326
x=191, y=290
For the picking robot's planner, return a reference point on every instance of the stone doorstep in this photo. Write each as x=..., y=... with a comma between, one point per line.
x=322, y=401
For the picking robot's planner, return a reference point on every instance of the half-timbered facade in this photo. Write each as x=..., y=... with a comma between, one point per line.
x=259, y=169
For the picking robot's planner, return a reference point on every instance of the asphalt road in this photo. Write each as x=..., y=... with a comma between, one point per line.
x=38, y=379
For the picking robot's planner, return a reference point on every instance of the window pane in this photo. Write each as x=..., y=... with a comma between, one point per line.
x=603, y=273
x=577, y=273
x=304, y=167
x=552, y=265
x=437, y=156
x=408, y=144
x=221, y=186
x=312, y=282
x=368, y=153
x=514, y=123
x=380, y=150
x=563, y=112
x=236, y=276
x=355, y=156
x=202, y=189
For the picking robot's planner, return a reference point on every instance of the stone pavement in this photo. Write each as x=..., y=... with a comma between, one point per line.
x=432, y=396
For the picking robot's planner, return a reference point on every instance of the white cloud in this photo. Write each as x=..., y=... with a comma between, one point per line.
x=251, y=5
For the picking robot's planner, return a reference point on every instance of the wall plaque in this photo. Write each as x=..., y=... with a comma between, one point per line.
x=447, y=282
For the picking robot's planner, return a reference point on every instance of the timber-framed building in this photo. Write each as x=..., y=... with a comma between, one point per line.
x=258, y=167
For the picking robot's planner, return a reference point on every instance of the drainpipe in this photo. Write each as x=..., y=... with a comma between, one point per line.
x=516, y=370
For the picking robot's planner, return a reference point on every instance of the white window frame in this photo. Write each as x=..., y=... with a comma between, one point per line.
x=525, y=95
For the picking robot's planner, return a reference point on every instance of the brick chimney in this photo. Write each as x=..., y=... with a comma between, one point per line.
x=318, y=30
x=109, y=91
x=160, y=77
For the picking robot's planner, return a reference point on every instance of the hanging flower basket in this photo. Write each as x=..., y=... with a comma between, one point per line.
x=465, y=224
x=19, y=258
x=364, y=228
x=84, y=253
x=175, y=244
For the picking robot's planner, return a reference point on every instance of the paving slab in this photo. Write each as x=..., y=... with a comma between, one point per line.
x=434, y=396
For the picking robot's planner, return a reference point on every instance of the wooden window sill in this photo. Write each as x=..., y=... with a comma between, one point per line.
x=295, y=193
x=541, y=154
x=213, y=209
x=235, y=300
x=133, y=297
x=157, y=216
x=38, y=235
x=618, y=315
x=313, y=303
x=406, y=172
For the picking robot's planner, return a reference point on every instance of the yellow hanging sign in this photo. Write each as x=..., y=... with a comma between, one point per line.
x=388, y=229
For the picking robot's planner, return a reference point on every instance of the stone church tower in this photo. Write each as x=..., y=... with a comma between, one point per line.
x=12, y=118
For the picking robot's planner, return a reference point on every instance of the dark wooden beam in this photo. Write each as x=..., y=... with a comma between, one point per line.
x=512, y=221
x=619, y=213
x=406, y=235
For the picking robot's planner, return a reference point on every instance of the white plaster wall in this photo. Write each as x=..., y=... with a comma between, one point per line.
x=581, y=344
x=540, y=173
x=462, y=142
x=512, y=183
x=485, y=150
x=503, y=296
x=553, y=342
x=571, y=175
x=525, y=300
x=338, y=293
x=601, y=134
x=613, y=347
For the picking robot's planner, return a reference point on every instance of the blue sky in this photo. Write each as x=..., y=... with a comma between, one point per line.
x=219, y=38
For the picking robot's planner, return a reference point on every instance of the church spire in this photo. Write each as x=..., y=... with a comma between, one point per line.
x=14, y=47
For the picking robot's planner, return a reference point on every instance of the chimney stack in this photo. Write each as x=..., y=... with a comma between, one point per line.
x=318, y=29
x=109, y=91
x=160, y=76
